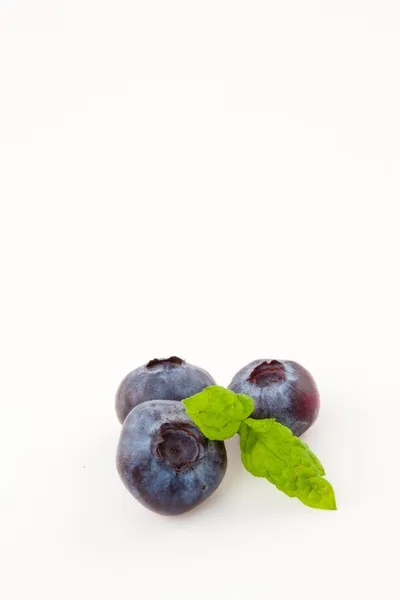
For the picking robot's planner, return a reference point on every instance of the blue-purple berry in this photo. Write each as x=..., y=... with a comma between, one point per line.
x=165, y=461
x=281, y=389
x=170, y=379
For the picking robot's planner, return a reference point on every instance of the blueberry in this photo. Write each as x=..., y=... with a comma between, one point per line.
x=165, y=461
x=282, y=389
x=169, y=378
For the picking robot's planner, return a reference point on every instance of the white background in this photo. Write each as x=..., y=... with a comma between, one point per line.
x=218, y=180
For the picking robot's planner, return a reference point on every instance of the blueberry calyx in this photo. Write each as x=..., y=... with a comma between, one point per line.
x=269, y=371
x=174, y=361
x=179, y=446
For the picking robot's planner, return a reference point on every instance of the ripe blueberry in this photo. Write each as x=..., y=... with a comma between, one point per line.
x=282, y=389
x=165, y=461
x=169, y=378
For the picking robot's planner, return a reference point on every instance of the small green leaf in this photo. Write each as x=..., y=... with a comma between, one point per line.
x=270, y=450
x=218, y=412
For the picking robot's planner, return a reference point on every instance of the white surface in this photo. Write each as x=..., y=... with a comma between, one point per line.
x=218, y=180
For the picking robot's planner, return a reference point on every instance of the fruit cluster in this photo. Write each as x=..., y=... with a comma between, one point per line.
x=171, y=454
